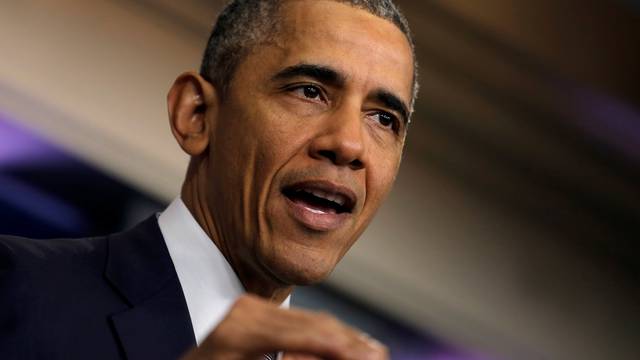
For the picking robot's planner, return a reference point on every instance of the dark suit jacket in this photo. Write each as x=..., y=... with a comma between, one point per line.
x=112, y=297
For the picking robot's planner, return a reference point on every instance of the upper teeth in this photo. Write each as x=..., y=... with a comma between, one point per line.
x=336, y=198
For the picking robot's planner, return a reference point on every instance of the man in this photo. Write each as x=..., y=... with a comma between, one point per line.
x=295, y=127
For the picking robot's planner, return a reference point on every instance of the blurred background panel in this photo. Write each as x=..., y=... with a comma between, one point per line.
x=512, y=230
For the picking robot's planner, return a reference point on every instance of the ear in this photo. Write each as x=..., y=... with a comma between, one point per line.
x=193, y=104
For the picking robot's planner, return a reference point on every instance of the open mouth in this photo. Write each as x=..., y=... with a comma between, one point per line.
x=321, y=197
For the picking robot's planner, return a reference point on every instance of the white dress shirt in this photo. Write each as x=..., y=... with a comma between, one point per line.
x=209, y=284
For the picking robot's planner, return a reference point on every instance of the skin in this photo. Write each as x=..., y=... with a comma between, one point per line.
x=268, y=132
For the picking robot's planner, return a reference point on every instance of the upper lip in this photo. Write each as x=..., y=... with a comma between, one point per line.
x=337, y=193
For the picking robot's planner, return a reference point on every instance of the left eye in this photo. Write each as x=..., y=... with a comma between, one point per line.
x=386, y=120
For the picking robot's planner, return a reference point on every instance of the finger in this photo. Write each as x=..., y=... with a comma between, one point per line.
x=254, y=327
x=299, y=356
x=319, y=334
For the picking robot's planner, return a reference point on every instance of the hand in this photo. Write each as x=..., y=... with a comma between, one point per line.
x=254, y=327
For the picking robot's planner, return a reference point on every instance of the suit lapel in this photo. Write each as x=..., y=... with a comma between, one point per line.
x=157, y=324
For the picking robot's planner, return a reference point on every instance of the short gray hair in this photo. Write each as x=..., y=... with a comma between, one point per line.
x=243, y=24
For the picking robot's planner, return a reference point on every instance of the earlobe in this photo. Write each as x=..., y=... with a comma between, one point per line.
x=192, y=103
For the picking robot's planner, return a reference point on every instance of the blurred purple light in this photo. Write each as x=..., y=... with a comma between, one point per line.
x=609, y=120
x=40, y=205
x=18, y=146
x=456, y=356
x=439, y=354
x=21, y=149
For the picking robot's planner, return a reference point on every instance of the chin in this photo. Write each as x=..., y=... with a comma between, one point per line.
x=300, y=271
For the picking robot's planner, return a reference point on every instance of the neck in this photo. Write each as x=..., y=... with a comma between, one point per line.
x=255, y=280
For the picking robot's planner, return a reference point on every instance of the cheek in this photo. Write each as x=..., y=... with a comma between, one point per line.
x=256, y=140
x=380, y=178
x=279, y=138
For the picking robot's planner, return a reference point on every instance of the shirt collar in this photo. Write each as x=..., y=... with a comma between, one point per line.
x=209, y=284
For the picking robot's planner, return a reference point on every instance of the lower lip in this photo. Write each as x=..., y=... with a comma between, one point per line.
x=315, y=219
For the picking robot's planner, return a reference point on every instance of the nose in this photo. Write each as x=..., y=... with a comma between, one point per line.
x=341, y=140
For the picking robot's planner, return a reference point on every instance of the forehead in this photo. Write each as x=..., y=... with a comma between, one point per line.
x=368, y=50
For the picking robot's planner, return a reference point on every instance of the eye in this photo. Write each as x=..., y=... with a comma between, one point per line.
x=387, y=120
x=310, y=92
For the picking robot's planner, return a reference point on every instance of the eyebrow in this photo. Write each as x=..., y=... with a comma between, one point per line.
x=393, y=102
x=320, y=73
x=331, y=76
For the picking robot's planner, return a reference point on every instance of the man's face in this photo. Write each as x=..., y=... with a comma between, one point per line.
x=307, y=141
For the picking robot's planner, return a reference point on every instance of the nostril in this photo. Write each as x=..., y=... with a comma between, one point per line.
x=356, y=164
x=332, y=156
x=329, y=155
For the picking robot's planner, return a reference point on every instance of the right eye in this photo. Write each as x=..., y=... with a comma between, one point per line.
x=307, y=91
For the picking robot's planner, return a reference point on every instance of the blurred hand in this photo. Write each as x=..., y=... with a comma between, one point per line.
x=254, y=327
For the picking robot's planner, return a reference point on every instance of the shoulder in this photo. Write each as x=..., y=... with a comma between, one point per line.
x=36, y=275
x=33, y=266
x=18, y=253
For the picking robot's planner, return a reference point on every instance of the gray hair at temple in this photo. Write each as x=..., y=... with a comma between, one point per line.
x=244, y=24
